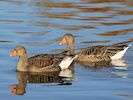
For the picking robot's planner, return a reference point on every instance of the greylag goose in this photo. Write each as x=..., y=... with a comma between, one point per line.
x=95, y=53
x=41, y=62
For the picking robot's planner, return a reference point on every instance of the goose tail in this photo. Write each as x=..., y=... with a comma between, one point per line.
x=120, y=54
x=66, y=62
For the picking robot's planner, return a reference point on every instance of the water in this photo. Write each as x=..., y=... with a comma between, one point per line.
x=39, y=24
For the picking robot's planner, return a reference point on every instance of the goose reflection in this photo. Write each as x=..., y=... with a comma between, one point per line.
x=101, y=64
x=19, y=88
x=64, y=77
x=118, y=67
x=121, y=67
x=120, y=63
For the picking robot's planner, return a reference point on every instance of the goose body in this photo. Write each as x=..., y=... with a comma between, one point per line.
x=95, y=53
x=39, y=63
x=102, y=53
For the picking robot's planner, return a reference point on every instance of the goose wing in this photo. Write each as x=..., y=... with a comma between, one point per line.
x=44, y=60
x=103, y=50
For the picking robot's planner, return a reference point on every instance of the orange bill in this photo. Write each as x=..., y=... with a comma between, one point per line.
x=13, y=53
x=13, y=91
x=63, y=41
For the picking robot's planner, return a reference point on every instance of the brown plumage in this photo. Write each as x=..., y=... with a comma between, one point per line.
x=102, y=50
x=44, y=60
x=95, y=53
x=37, y=63
x=99, y=53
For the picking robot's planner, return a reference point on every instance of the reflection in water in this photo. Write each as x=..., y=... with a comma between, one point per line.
x=62, y=78
x=103, y=64
x=119, y=64
x=121, y=73
x=130, y=21
x=19, y=88
x=37, y=24
x=128, y=95
x=102, y=16
x=97, y=41
x=115, y=33
x=67, y=75
x=106, y=1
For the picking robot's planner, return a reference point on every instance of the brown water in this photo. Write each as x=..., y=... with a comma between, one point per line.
x=39, y=24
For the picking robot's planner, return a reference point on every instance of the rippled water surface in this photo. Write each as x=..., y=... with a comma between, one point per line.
x=39, y=24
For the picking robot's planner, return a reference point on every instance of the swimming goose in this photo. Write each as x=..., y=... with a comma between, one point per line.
x=95, y=53
x=41, y=62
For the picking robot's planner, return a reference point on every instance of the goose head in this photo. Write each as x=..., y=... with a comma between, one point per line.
x=68, y=39
x=19, y=51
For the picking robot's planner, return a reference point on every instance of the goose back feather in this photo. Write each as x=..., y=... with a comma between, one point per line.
x=102, y=53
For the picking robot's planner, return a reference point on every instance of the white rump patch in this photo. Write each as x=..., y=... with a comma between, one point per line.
x=65, y=63
x=120, y=54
